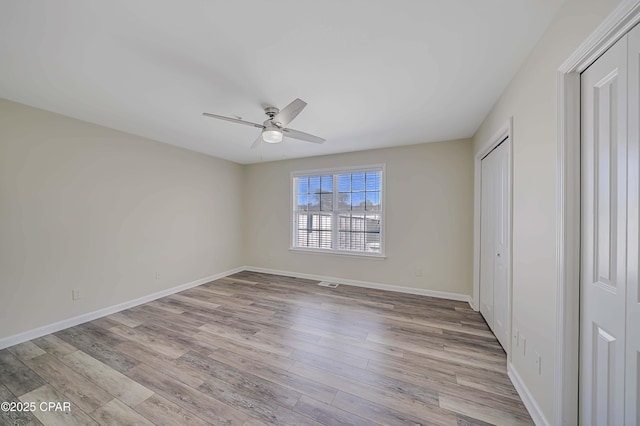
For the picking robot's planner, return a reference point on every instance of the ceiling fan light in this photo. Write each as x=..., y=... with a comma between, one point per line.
x=272, y=136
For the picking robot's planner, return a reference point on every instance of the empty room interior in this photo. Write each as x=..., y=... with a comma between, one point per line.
x=319, y=213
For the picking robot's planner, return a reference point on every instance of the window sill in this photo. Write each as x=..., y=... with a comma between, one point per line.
x=374, y=256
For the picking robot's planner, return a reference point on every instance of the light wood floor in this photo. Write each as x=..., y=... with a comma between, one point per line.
x=254, y=349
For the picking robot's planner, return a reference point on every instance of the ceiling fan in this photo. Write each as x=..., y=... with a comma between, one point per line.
x=273, y=129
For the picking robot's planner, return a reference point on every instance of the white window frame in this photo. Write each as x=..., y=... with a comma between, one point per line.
x=333, y=171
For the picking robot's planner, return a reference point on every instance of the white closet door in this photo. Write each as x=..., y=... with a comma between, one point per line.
x=604, y=238
x=501, y=247
x=633, y=294
x=494, y=249
x=487, y=251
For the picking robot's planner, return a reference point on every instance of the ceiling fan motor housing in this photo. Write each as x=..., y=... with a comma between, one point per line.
x=271, y=111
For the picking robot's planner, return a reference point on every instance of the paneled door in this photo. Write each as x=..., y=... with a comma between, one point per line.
x=632, y=372
x=604, y=231
x=494, y=242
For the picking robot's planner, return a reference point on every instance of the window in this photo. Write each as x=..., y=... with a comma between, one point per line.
x=339, y=210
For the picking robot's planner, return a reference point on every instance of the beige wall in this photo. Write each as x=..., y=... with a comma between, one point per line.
x=531, y=99
x=90, y=208
x=429, y=218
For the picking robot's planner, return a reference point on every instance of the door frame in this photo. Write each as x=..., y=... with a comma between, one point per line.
x=624, y=17
x=504, y=134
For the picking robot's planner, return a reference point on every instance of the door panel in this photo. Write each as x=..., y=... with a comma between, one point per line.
x=486, y=240
x=501, y=290
x=604, y=238
x=494, y=244
x=605, y=93
x=604, y=363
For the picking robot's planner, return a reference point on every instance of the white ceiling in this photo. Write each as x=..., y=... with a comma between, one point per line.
x=375, y=73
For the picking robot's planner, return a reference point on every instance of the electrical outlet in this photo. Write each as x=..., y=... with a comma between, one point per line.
x=418, y=272
x=539, y=363
x=75, y=294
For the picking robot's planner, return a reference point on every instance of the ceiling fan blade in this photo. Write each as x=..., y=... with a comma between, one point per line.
x=257, y=142
x=295, y=134
x=288, y=113
x=233, y=120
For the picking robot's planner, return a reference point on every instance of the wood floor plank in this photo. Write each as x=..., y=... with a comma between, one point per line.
x=75, y=387
x=194, y=301
x=379, y=414
x=328, y=414
x=118, y=413
x=436, y=381
x=214, y=288
x=163, y=412
x=165, y=307
x=249, y=352
x=364, y=349
x=452, y=325
x=343, y=357
x=15, y=418
x=403, y=389
x=261, y=349
x=183, y=342
x=252, y=421
x=124, y=319
x=254, y=404
x=334, y=335
x=487, y=384
x=16, y=376
x=347, y=328
x=479, y=398
x=26, y=351
x=286, y=336
x=112, y=381
x=258, y=342
x=102, y=351
x=248, y=383
x=161, y=363
x=53, y=345
x=163, y=346
x=99, y=334
x=204, y=406
x=244, y=306
x=105, y=323
x=484, y=413
x=418, y=406
x=423, y=364
x=276, y=375
x=224, y=321
x=148, y=315
x=45, y=394
x=255, y=319
x=437, y=351
x=469, y=421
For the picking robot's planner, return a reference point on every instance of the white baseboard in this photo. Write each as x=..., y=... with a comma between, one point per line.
x=70, y=322
x=529, y=401
x=367, y=284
